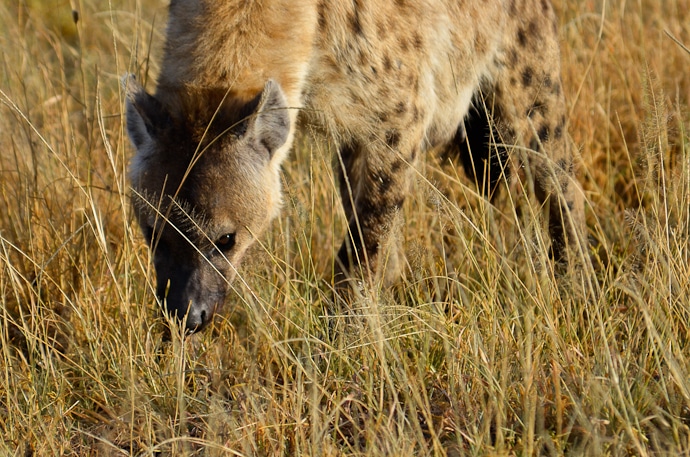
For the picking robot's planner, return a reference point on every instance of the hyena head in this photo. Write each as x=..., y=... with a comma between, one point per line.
x=206, y=183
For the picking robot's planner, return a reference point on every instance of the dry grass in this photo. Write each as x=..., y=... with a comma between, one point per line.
x=481, y=351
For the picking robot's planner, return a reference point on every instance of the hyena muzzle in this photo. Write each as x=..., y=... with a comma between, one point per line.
x=386, y=79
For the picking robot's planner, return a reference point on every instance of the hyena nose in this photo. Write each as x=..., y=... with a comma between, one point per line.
x=203, y=320
x=196, y=319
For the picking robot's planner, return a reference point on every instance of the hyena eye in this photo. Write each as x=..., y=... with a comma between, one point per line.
x=225, y=242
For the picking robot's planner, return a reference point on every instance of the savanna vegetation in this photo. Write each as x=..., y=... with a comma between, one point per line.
x=480, y=350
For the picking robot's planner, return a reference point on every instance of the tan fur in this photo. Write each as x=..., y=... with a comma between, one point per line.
x=389, y=79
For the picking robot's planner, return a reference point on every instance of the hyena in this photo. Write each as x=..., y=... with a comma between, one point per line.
x=386, y=79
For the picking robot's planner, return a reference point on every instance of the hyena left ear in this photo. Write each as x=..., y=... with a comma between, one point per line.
x=270, y=122
x=145, y=114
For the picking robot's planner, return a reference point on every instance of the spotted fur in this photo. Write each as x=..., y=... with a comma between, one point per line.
x=388, y=79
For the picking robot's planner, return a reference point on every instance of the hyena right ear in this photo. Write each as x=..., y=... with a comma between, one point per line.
x=145, y=115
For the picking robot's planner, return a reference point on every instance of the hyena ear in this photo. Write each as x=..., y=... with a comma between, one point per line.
x=270, y=122
x=145, y=115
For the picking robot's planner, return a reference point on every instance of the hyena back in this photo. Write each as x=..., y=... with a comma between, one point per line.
x=388, y=79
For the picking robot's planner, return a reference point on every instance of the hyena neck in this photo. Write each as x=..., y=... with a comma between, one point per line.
x=239, y=45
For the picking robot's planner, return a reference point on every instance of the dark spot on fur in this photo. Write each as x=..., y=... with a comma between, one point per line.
x=381, y=30
x=403, y=44
x=556, y=89
x=522, y=37
x=534, y=144
x=417, y=41
x=513, y=81
x=543, y=133
x=545, y=6
x=370, y=208
x=397, y=165
x=355, y=23
x=558, y=132
x=538, y=107
x=566, y=165
x=383, y=92
x=400, y=108
x=480, y=43
x=398, y=202
x=533, y=30
x=383, y=182
x=373, y=212
x=387, y=64
x=525, y=35
x=392, y=138
x=320, y=9
x=527, y=75
x=413, y=154
x=356, y=99
x=547, y=81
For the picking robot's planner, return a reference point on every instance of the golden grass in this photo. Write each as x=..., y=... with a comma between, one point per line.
x=480, y=351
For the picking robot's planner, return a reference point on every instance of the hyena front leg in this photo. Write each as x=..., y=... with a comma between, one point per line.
x=530, y=100
x=373, y=184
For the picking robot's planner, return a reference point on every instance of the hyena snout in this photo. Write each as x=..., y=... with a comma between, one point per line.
x=189, y=298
